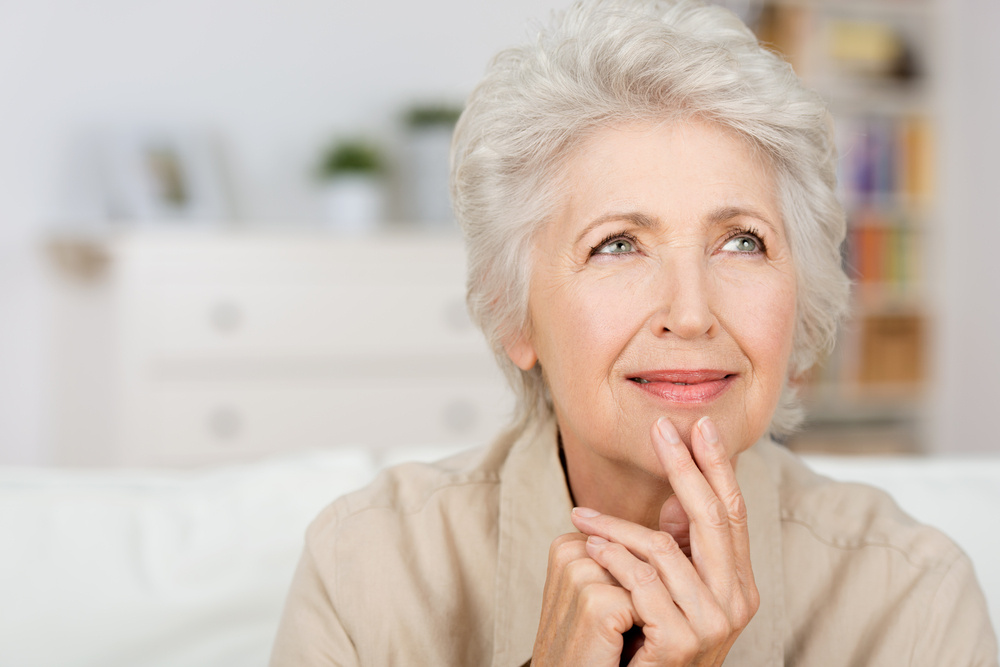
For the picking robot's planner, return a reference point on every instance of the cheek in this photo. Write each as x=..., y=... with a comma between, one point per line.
x=759, y=312
x=583, y=325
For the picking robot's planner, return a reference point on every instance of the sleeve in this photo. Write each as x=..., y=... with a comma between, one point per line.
x=957, y=629
x=310, y=633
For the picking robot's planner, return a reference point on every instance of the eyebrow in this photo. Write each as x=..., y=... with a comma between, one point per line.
x=651, y=222
x=729, y=212
x=635, y=217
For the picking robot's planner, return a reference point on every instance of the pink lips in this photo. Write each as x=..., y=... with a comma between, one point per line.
x=684, y=386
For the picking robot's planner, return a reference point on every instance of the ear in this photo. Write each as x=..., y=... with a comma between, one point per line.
x=521, y=352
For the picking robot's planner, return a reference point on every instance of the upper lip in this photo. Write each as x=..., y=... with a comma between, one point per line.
x=684, y=376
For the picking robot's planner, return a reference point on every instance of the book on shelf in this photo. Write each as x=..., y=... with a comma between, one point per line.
x=886, y=183
x=885, y=160
x=852, y=44
x=878, y=356
x=892, y=350
x=883, y=252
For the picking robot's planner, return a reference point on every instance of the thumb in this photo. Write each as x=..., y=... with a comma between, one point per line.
x=674, y=520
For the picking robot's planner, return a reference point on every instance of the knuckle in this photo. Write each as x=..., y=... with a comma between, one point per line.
x=753, y=600
x=564, y=550
x=740, y=612
x=591, y=601
x=567, y=539
x=737, y=508
x=688, y=644
x=717, y=628
x=717, y=456
x=715, y=514
x=685, y=464
x=577, y=572
x=645, y=574
x=662, y=544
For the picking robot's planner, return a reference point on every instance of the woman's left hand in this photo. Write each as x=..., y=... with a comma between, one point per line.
x=691, y=609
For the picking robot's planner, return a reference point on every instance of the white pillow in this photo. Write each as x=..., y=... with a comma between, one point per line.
x=157, y=568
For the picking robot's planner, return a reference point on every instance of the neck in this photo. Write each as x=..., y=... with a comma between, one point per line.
x=615, y=488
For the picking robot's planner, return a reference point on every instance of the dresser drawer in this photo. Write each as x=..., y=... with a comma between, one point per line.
x=241, y=345
x=191, y=423
x=308, y=320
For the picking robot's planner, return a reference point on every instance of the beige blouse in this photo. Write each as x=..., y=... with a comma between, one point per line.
x=444, y=564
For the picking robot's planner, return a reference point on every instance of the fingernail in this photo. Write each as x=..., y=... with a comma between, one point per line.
x=667, y=430
x=708, y=431
x=596, y=540
x=585, y=512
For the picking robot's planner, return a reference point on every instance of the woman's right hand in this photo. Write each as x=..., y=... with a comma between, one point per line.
x=690, y=606
x=585, y=612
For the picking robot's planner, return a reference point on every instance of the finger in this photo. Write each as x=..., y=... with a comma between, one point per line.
x=645, y=543
x=610, y=610
x=669, y=631
x=674, y=520
x=715, y=464
x=654, y=607
x=710, y=533
x=570, y=564
x=656, y=548
x=586, y=628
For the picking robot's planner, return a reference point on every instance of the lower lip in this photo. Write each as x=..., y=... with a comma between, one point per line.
x=701, y=392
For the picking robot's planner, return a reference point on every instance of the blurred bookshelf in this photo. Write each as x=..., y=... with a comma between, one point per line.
x=872, y=61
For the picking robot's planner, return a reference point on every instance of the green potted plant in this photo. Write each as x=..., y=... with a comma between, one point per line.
x=353, y=174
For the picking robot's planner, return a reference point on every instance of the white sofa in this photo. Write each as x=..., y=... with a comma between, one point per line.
x=119, y=568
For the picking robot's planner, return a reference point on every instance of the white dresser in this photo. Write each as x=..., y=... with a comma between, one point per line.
x=234, y=345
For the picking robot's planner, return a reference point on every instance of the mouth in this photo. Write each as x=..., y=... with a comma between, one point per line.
x=684, y=386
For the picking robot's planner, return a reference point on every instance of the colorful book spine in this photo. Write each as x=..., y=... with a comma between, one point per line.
x=885, y=175
x=881, y=250
x=884, y=161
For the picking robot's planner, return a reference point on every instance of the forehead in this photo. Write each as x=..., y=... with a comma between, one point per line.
x=674, y=171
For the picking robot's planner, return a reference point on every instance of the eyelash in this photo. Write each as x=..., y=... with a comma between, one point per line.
x=736, y=233
x=747, y=231
x=619, y=236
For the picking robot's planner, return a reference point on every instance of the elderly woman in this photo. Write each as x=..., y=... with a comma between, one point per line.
x=653, y=243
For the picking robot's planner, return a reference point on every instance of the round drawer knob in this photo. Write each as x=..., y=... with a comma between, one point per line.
x=226, y=316
x=225, y=423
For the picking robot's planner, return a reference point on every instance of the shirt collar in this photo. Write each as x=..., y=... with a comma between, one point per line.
x=761, y=642
x=535, y=506
x=534, y=509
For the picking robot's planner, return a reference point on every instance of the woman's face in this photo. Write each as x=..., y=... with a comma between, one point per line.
x=664, y=286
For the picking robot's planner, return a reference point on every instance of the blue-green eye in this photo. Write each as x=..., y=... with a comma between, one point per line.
x=743, y=243
x=619, y=246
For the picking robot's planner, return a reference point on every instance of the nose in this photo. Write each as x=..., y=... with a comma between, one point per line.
x=683, y=295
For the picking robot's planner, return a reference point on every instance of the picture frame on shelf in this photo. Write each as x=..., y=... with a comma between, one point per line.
x=163, y=176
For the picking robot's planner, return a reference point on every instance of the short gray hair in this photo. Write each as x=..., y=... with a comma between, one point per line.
x=605, y=62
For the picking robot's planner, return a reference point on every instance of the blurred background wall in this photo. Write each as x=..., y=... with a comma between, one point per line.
x=274, y=82
x=966, y=394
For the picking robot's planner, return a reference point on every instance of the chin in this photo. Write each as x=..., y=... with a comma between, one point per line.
x=736, y=433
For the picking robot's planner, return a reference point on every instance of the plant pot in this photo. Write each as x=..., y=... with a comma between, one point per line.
x=429, y=201
x=354, y=203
